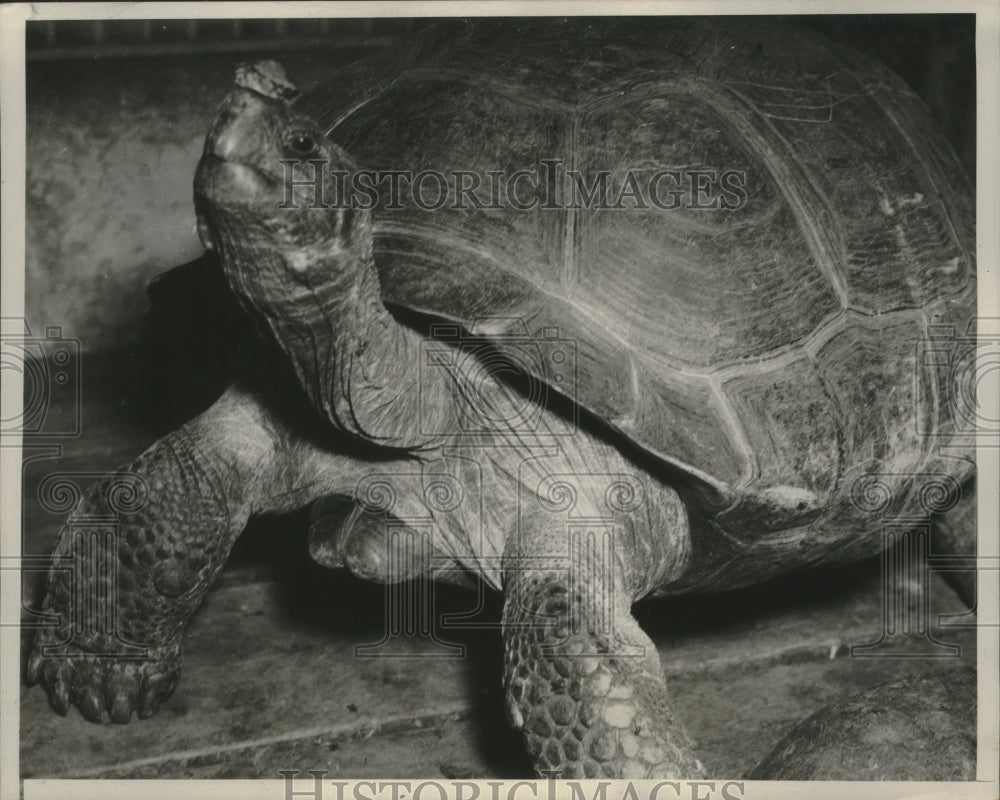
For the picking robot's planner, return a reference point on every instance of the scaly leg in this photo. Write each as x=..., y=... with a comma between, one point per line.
x=588, y=696
x=204, y=481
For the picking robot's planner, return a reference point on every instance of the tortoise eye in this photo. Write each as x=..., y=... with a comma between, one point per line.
x=302, y=144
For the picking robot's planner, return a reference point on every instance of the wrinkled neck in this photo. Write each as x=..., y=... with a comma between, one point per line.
x=359, y=367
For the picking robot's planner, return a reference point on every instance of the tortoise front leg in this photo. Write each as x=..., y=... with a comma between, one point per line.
x=203, y=482
x=588, y=696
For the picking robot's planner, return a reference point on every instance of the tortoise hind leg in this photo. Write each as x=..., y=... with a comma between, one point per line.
x=589, y=702
x=954, y=533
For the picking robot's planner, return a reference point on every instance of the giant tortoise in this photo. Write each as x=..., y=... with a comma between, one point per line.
x=595, y=310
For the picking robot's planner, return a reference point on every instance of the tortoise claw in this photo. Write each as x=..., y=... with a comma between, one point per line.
x=121, y=708
x=155, y=690
x=121, y=689
x=56, y=680
x=89, y=702
x=34, y=668
x=104, y=688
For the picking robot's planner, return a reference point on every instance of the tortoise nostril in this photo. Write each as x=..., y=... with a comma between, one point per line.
x=245, y=101
x=242, y=99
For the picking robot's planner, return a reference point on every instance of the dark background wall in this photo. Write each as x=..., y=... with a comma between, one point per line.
x=117, y=111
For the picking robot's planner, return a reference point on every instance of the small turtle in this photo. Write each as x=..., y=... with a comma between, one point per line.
x=678, y=350
x=857, y=738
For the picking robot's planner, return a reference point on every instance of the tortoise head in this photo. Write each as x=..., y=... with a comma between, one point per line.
x=261, y=197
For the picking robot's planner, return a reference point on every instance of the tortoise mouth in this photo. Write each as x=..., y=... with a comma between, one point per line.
x=229, y=183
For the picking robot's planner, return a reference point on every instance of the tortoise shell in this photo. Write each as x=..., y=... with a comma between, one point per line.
x=762, y=337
